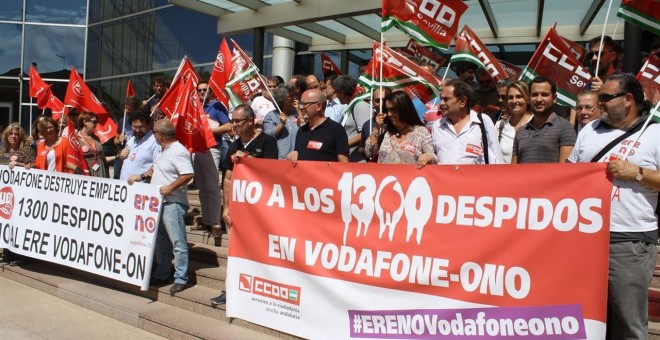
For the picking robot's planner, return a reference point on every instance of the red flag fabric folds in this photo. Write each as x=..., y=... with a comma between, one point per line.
x=328, y=66
x=432, y=23
x=170, y=99
x=244, y=79
x=649, y=77
x=191, y=126
x=220, y=73
x=470, y=48
x=416, y=50
x=130, y=91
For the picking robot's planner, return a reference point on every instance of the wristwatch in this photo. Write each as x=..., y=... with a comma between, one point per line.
x=640, y=175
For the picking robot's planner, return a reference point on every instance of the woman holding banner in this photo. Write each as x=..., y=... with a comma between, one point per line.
x=399, y=136
x=518, y=107
x=52, y=149
x=15, y=151
x=91, y=147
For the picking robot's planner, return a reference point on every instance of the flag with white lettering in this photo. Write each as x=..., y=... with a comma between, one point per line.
x=244, y=79
x=644, y=13
x=328, y=66
x=649, y=77
x=416, y=50
x=430, y=22
x=512, y=70
x=399, y=73
x=470, y=48
x=578, y=50
x=555, y=61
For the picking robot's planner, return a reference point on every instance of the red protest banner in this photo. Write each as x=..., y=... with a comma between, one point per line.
x=555, y=61
x=649, y=77
x=439, y=243
x=416, y=50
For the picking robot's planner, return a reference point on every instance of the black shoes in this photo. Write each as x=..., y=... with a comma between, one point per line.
x=176, y=288
x=219, y=300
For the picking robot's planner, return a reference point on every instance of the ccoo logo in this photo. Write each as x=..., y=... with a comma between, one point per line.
x=219, y=65
x=6, y=202
x=245, y=283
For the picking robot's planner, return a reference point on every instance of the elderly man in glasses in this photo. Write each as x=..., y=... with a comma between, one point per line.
x=632, y=162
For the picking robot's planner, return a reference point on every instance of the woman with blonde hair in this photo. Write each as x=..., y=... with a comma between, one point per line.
x=52, y=150
x=15, y=150
x=519, y=113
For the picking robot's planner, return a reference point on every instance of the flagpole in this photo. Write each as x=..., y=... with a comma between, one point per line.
x=616, y=27
x=30, y=112
x=261, y=80
x=380, y=75
x=602, y=37
x=646, y=124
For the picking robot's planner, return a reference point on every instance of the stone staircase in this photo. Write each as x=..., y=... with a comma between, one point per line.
x=187, y=315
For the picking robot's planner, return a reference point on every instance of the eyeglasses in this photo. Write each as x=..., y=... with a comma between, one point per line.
x=237, y=120
x=306, y=104
x=606, y=97
x=202, y=90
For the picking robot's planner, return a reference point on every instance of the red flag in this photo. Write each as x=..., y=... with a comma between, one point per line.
x=220, y=73
x=433, y=23
x=644, y=13
x=328, y=66
x=130, y=91
x=192, y=127
x=400, y=73
x=470, y=48
x=578, y=50
x=45, y=97
x=244, y=80
x=74, y=151
x=512, y=70
x=649, y=77
x=416, y=50
x=170, y=99
x=81, y=97
x=555, y=61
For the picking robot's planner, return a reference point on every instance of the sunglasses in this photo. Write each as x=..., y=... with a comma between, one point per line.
x=606, y=97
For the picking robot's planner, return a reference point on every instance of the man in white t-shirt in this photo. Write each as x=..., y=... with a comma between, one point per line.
x=172, y=171
x=636, y=179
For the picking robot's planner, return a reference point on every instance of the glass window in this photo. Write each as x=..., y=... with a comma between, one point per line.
x=11, y=10
x=58, y=12
x=10, y=52
x=101, y=10
x=150, y=42
x=43, y=46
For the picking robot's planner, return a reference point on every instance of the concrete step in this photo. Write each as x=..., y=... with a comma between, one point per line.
x=175, y=317
x=205, y=238
x=209, y=253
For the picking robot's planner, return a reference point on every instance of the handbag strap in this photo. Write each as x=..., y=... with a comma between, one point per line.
x=484, y=139
x=616, y=141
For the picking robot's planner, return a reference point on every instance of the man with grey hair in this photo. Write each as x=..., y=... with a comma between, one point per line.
x=172, y=171
x=283, y=125
x=353, y=117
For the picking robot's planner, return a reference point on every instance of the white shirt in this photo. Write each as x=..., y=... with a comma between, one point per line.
x=633, y=204
x=465, y=146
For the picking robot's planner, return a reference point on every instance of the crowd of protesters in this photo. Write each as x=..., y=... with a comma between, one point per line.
x=514, y=122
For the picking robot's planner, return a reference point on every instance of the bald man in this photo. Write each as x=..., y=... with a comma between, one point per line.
x=321, y=139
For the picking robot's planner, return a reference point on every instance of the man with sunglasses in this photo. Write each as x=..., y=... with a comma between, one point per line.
x=609, y=61
x=321, y=139
x=633, y=165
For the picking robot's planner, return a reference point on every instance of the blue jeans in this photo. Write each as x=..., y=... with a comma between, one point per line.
x=171, y=240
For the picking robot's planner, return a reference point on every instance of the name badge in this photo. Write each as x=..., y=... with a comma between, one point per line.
x=314, y=145
x=474, y=149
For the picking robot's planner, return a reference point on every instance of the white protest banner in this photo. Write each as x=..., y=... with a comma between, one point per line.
x=97, y=225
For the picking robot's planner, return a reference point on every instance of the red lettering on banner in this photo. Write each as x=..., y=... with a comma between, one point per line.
x=616, y=194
